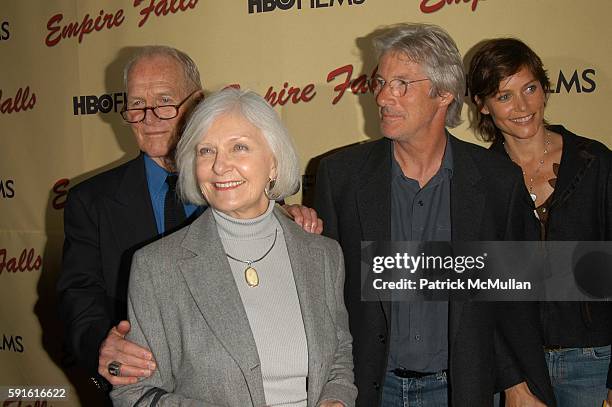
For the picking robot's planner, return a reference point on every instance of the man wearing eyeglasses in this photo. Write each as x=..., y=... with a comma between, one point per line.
x=110, y=215
x=419, y=183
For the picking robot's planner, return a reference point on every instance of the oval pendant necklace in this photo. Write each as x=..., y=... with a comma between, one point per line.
x=250, y=273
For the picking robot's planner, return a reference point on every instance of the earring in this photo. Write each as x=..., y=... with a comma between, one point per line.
x=269, y=187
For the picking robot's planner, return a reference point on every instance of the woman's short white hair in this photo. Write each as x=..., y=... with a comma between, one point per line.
x=258, y=112
x=435, y=51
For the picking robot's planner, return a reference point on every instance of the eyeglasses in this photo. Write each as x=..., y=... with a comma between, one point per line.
x=398, y=86
x=165, y=112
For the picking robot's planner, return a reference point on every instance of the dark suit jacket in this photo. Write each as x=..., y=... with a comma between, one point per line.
x=106, y=218
x=488, y=202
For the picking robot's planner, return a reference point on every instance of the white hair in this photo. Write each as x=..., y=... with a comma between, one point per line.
x=437, y=54
x=258, y=112
x=190, y=70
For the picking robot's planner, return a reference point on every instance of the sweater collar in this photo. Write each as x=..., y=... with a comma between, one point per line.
x=246, y=229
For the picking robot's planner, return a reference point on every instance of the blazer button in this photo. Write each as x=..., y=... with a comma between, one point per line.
x=376, y=385
x=381, y=338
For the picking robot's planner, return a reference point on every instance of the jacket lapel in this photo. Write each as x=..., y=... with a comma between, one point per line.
x=374, y=194
x=374, y=199
x=131, y=207
x=212, y=286
x=467, y=199
x=309, y=277
x=575, y=161
x=467, y=194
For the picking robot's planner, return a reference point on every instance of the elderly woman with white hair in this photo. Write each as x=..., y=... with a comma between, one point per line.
x=242, y=307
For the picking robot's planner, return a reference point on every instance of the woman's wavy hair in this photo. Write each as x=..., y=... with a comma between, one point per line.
x=493, y=61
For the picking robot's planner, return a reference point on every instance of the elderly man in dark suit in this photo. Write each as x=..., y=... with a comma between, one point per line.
x=110, y=215
x=420, y=183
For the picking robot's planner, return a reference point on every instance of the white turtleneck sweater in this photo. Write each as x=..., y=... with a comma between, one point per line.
x=273, y=308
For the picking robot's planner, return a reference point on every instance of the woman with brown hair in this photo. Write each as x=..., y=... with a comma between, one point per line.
x=569, y=178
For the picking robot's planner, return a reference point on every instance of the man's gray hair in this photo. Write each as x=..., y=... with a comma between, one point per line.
x=258, y=112
x=435, y=51
x=190, y=70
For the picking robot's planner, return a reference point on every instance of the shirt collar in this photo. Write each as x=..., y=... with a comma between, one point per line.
x=156, y=175
x=447, y=159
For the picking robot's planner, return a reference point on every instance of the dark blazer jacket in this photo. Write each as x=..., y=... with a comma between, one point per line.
x=106, y=218
x=488, y=202
x=580, y=210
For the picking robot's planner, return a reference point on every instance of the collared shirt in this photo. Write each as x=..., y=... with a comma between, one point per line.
x=419, y=330
x=156, y=181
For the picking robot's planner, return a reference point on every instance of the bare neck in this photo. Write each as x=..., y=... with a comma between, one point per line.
x=165, y=162
x=420, y=159
x=526, y=150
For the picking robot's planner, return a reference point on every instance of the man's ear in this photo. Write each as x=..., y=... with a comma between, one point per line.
x=446, y=98
x=199, y=96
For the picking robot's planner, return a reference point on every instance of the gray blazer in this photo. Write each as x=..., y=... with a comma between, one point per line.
x=184, y=305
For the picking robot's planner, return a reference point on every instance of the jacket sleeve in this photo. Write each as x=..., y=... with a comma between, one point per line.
x=518, y=342
x=608, y=197
x=146, y=330
x=508, y=373
x=339, y=384
x=608, y=222
x=83, y=301
x=518, y=349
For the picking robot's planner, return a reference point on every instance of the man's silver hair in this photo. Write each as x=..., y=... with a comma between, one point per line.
x=190, y=70
x=258, y=112
x=435, y=51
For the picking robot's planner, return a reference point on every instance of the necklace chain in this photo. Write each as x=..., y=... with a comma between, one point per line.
x=249, y=262
x=533, y=177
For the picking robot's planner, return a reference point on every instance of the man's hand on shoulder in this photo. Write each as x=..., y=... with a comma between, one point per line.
x=305, y=217
x=134, y=361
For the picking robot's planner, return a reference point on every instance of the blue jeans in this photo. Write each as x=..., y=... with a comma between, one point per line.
x=578, y=375
x=428, y=391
